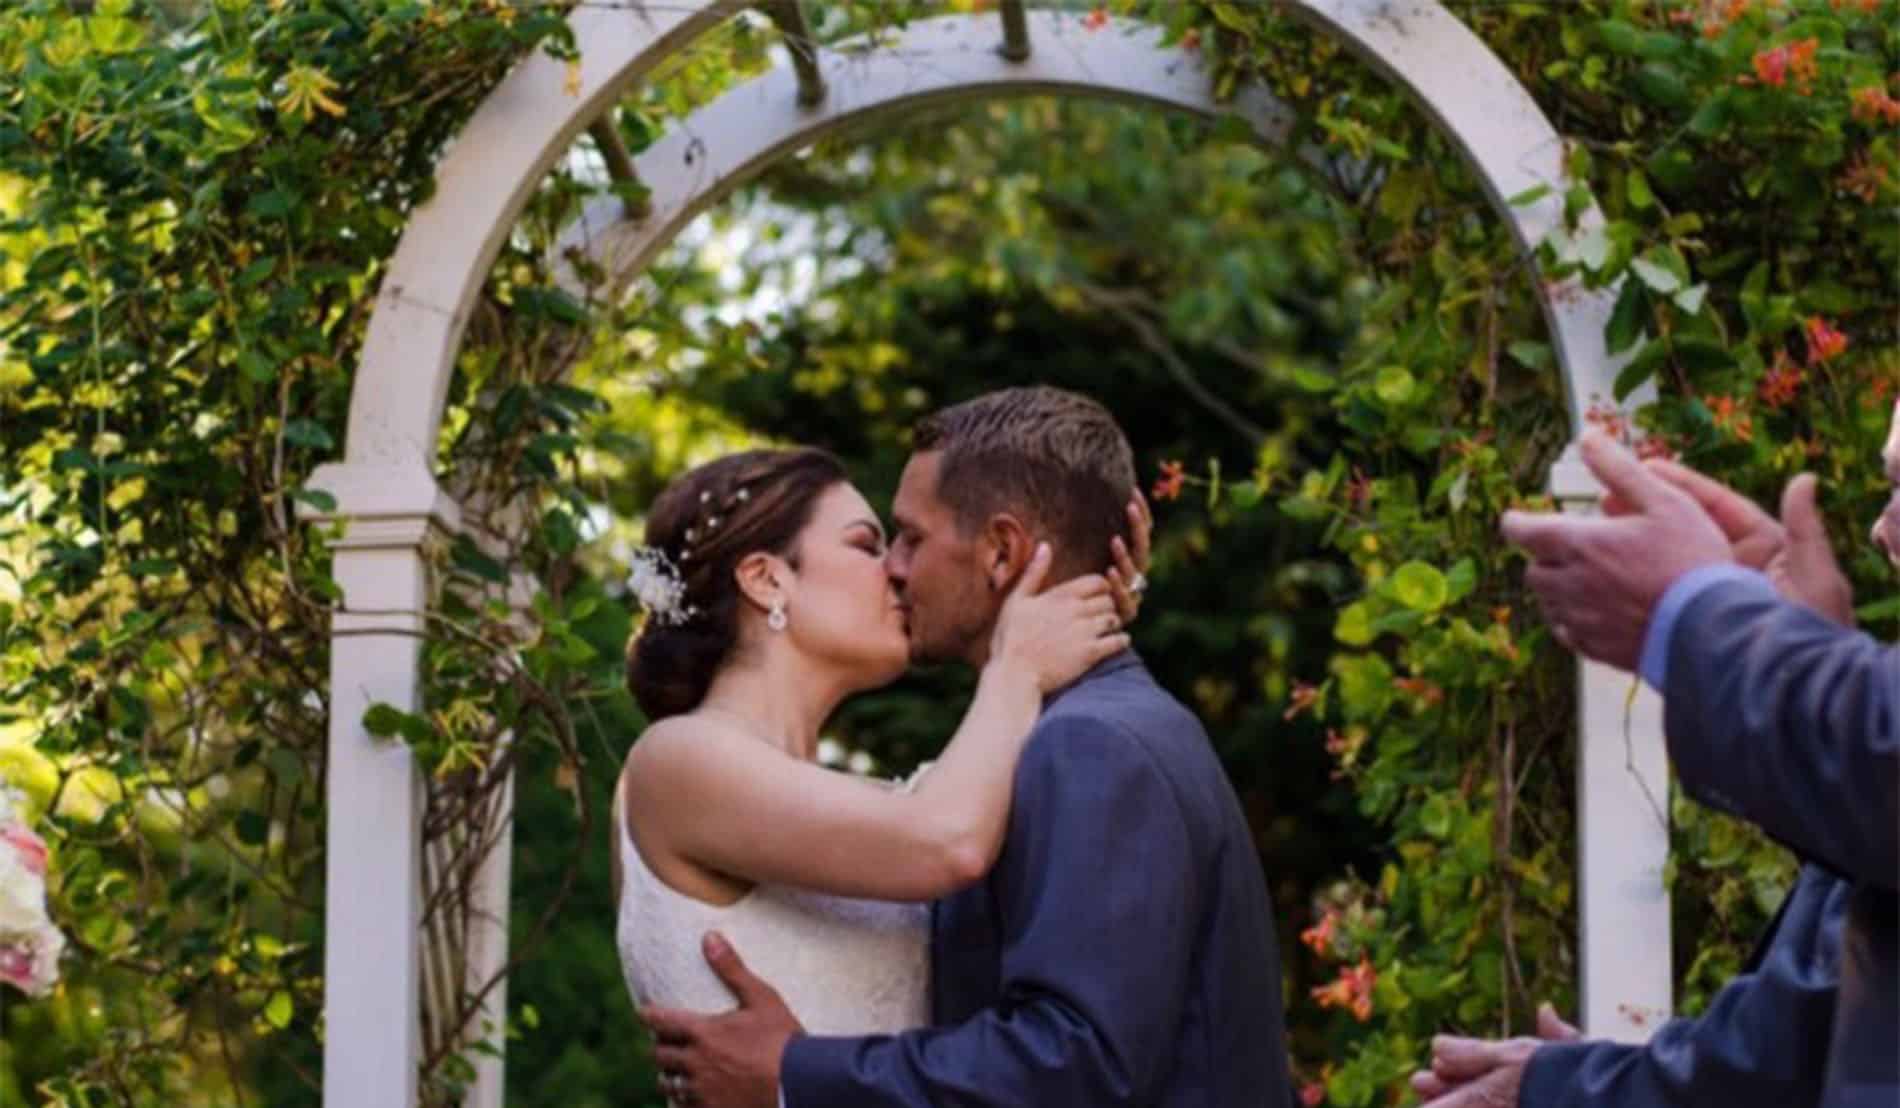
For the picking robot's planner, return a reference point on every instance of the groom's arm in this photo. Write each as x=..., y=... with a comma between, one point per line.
x=1100, y=891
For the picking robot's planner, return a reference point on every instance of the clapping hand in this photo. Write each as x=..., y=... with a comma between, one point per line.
x=1793, y=551
x=1600, y=578
x=1485, y=1073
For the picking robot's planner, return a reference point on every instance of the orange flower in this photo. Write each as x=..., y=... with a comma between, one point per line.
x=1608, y=419
x=1874, y=105
x=1825, y=342
x=1771, y=66
x=1359, y=489
x=1320, y=935
x=1168, y=486
x=1096, y=20
x=1782, y=381
x=1863, y=178
x=1191, y=40
x=1425, y=690
x=1312, y=1094
x=1727, y=415
x=1351, y=990
x=1774, y=65
x=1301, y=698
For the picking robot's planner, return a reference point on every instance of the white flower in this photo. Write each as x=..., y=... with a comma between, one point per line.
x=29, y=960
x=22, y=895
x=657, y=585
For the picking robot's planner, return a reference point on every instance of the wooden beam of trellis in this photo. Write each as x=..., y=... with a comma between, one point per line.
x=1015, y=31
x=789, y=17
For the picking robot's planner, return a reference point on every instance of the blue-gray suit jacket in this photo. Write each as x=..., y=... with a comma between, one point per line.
x=1782, y=718
x=1120, y=953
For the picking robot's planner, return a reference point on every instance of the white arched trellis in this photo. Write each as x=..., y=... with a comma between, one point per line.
x=390, y=505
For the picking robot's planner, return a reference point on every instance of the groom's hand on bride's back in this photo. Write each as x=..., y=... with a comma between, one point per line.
x=729, y=1060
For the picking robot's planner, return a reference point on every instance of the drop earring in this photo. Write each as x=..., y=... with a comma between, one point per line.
x=775, y=619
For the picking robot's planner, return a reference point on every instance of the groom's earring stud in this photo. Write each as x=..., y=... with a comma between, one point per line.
x=775, y=619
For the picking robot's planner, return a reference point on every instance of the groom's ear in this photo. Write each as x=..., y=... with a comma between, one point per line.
x=1005, y=547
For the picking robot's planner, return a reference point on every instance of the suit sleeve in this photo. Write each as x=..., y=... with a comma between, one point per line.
x=1099, y=885
x=1791, y=722
x=1763, y=1040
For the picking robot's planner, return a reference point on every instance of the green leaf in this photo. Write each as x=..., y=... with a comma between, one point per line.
x=1627, y=318
x=1711, y=117
x=1640, y=368
x=1314, y=381
x=1618, y=36
x=1663, y=86
x=316, y=498
x=1529, y=196
x=1754, y=295
x=1654, y=274
x=1394, y=385
x=308, y=433
x=256, y=366
x=1636, y=186
x=1690, y=299
x=1887, y=608
x=1420, y=587
x=270, y=204
x=1461, y=579
x=383, y=720
x=1530, y=353
x=278, y=1010
x=1354, y=627
x=253, y=827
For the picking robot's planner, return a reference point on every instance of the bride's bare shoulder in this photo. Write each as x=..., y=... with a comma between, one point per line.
x=679, y=748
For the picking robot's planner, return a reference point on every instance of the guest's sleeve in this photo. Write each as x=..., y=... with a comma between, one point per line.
x=1654, y=665
x=1790, y=721
x=1763, y=1040
x=1099, y=886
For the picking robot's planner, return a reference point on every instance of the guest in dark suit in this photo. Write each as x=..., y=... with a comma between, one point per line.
x=1776, y=711
x=1121, y=950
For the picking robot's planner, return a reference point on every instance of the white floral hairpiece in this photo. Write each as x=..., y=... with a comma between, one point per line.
x=658, y=586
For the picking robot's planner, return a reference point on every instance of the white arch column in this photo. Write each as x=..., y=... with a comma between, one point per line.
x=373, y=800
x=525, y=125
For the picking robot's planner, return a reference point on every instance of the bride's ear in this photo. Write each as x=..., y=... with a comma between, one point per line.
x=761, y=579
x=1005, y=547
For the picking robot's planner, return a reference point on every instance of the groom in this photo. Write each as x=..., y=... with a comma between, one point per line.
x=1121, y=952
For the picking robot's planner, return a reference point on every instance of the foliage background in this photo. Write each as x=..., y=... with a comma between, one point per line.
x=197, y=202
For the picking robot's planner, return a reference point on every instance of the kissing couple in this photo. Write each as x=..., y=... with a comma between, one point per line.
x=1065, y=910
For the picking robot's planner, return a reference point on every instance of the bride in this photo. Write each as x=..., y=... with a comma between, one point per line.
x=768, y=604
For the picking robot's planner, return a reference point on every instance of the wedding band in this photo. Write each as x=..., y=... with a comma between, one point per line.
x=1139, y=585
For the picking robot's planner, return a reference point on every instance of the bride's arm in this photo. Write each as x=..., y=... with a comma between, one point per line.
x=735, y=805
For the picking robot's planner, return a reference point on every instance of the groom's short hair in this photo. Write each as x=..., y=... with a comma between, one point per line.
x=1053, y=458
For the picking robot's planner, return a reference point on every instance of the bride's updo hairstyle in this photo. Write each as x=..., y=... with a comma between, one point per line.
x=706, y=522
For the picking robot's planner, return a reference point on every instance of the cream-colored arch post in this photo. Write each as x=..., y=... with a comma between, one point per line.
x=388, y=502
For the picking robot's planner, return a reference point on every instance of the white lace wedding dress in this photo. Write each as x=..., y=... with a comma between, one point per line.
x=844, y=966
